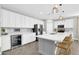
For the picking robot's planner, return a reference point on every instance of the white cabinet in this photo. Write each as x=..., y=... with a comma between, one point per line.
x=7, y=19
x=28, y=22
x=31, y=22
x=5, y=42
x=4, y=18
x=0, y=42
x=22, y=21
x=36, y=21
x=18, y=20
x=56, y=23
x=0, y=46
x=77, y=28
x=67, y=23
x=27, y=38
x=49, y=26
x=12, y=19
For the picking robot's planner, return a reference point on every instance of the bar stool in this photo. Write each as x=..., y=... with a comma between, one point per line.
x=65, y=46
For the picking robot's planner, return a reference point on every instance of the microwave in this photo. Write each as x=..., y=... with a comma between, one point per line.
x=60, y=26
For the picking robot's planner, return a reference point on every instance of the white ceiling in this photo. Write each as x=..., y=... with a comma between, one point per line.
x=43, y=11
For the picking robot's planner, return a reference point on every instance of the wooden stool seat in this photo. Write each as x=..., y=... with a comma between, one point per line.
x=65, y=45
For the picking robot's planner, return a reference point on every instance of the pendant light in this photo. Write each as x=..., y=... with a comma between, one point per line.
x=61, y=17
x=56, y=8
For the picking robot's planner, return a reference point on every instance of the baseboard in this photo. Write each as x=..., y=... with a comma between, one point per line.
x=18, y=46
x=75, y=39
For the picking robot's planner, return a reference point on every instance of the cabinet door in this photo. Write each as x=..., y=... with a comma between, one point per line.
x=17, y=20
x=31, y=22
x=32, y=37
x=56, y=23
x=5, y=42
x=22, y=21
x=11, y=19
x=28, y=22
x=49, y=27
x=7, y=19
x=0, y=42
x=4, y=18
x=0, y=45
x=69, y=23
x=27, y=38
x=36, y=21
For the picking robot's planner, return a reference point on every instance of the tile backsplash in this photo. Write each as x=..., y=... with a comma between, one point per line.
x=22, y=30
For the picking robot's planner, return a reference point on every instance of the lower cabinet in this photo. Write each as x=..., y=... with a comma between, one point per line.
x=0, y=46
x=5, y=43
x=0, y=42
x=6, y=40
x=27, y=38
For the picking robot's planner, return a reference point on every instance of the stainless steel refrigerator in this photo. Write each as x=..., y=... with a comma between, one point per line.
x=38, y=29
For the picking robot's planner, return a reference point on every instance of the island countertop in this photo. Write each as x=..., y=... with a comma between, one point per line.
x=54, y=37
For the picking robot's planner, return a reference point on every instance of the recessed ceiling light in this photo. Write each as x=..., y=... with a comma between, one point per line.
x=48, y=13
x=41, y=12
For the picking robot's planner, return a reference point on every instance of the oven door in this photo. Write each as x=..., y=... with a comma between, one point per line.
x=15, y=40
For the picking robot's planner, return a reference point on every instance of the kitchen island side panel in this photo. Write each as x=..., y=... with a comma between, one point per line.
x=46, y=47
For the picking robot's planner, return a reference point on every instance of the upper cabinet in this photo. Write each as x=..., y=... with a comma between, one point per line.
x=29, y=22
x=68, y=23
x=4, y=18
x=56, y=23
x=18, y=20
x=49, y=26
x=12, y=19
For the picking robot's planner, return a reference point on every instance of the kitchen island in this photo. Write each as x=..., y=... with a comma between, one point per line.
x=47, y=42
x=0, y=45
